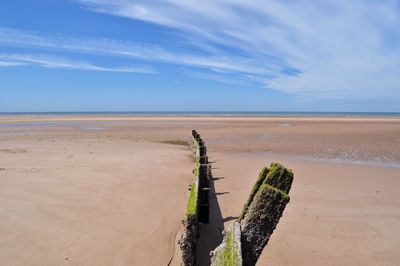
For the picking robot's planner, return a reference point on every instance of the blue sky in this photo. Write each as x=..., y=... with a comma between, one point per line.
x=226, y=55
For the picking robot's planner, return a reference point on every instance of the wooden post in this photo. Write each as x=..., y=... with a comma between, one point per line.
x=260, y=215
x=198, y=206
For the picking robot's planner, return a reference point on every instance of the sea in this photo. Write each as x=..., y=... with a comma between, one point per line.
x=211, y=113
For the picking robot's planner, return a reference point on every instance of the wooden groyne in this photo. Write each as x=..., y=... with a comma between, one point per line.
x=244, y=241
x=198, y=206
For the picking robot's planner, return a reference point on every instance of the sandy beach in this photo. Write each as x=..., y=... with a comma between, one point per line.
x=91, y=190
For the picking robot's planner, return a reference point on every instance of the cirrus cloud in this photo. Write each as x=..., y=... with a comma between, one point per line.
x=336, y=48
x=310, y=49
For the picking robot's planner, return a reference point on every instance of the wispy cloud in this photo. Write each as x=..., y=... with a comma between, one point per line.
x=319, y=49
x=148, y=52
x=338, y=48
x=10, y=63
x=7, y=60
x=222, y=78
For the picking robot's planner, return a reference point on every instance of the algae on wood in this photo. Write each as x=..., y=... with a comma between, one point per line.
x=264, y=211
x=198, y=203
x=192, y=202
x=260, y=215
x=229, y=252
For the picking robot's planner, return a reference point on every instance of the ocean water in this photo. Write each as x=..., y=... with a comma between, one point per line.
x=211, y=113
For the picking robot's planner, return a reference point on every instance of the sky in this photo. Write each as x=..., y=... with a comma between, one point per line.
x=184, y=55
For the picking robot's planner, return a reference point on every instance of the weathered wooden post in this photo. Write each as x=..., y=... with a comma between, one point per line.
x=198, y=206
x=203, y=160
x=260, y=215
x=229, y=253
x=263, y=210
x=189, y=236
x=202, y=151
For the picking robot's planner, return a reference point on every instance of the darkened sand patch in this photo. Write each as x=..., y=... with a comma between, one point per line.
x=12, y=151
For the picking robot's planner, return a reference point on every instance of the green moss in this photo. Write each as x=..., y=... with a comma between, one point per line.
x=192, y=203
x=260, y=180
x=277, y=178
x=194, y=143
x=230, y=256
x=176, y=142
x=273, y=189
x=280, y=177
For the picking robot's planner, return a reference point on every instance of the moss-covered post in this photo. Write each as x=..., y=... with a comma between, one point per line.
x=260, y=215
x=198, y=202
x=262, y=212
x=189, y=236
x=229, y=253
x=202, y=151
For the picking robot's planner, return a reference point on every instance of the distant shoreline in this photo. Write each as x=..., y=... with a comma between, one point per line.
x=211, y=114
x=44, y=119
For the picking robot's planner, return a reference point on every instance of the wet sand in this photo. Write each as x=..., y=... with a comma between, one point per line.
x=104, y=191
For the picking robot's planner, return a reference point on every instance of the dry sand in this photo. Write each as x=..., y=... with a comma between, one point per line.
x=338, y=215
x=103, y=191
x=90, y=201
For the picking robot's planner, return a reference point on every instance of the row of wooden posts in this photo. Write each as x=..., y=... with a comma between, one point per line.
x=244, y=241
x=198, y=208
